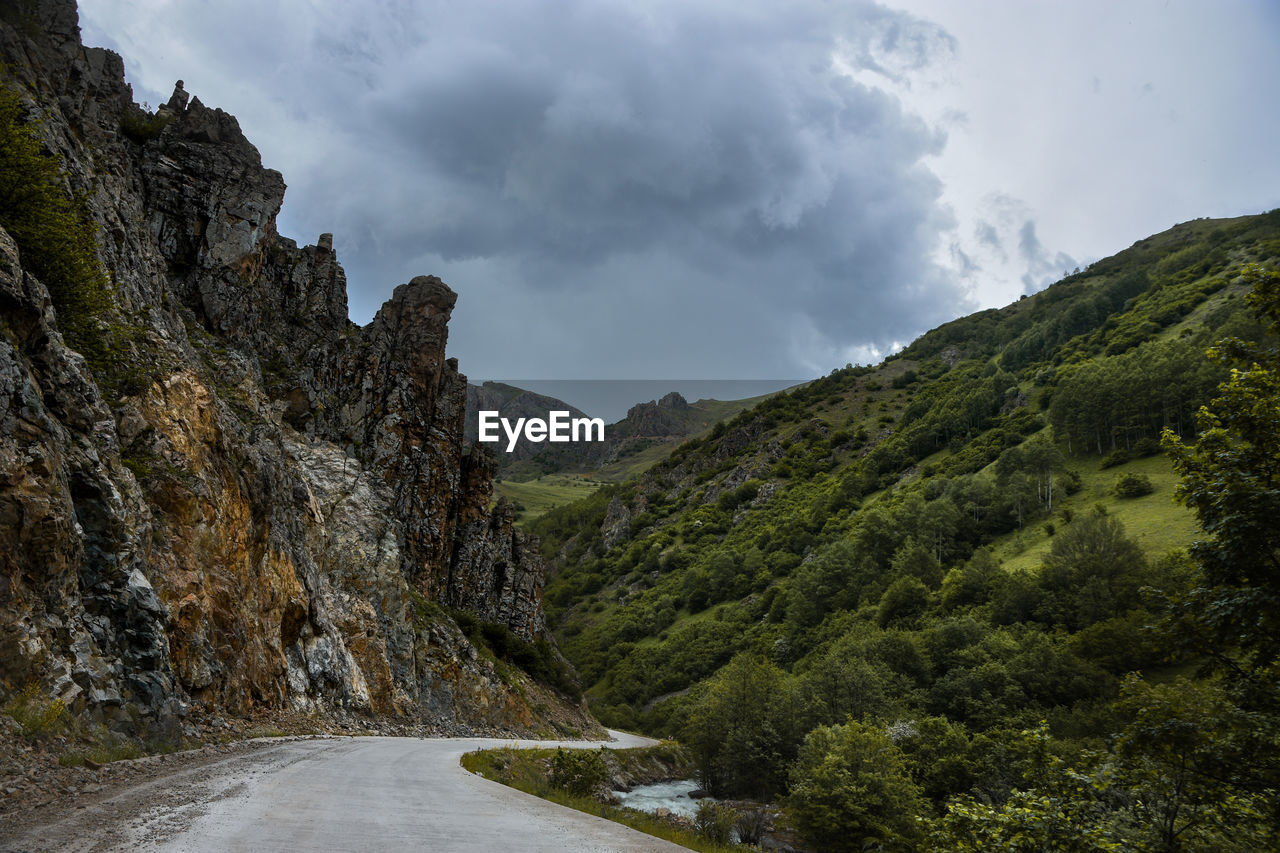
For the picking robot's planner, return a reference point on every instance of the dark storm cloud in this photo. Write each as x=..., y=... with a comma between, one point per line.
x=742, y=158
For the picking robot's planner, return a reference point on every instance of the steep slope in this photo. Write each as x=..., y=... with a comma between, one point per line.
x=861, y=521
x=216, y=489
x=642, y=438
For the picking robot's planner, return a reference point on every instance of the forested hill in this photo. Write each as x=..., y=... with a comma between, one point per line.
x=969, y=538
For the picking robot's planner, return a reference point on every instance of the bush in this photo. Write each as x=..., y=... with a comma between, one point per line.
x=1133, y=486
x=579, y=771
x=37, y=715
x=57, y=240
x=903, y=602
x=1117, y=457
x=715, y=821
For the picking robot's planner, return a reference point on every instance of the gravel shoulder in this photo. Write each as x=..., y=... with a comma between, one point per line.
x=319, y=793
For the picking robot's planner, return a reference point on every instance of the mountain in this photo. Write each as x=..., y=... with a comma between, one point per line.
x=928, y=556
x=511, y=403
x=219, y=495
x=630, y=445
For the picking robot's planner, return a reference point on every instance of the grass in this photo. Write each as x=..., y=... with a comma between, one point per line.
x=528, y=770
x=545, y=493
x=42, y=719
x=1154, y=521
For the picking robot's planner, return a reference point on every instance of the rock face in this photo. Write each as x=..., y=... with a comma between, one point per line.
x=511, y=403
x=252, y=503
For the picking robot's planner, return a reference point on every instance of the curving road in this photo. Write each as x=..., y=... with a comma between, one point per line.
x=340, y=794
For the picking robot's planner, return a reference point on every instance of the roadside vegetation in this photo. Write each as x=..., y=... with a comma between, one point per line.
x=579, y=779
x=47, y=722
x=1010, y=589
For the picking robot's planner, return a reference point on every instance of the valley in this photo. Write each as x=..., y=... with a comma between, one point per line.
x=264, y=580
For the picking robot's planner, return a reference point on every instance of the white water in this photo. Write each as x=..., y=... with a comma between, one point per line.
x=662, y=795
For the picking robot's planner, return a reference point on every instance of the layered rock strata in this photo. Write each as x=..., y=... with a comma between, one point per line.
x=251, y=502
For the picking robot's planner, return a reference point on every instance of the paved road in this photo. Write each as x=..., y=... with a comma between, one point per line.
x=345, y=794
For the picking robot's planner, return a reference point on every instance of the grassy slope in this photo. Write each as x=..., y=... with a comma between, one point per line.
x=611, y=605
x=535, y=497
x=541, y=494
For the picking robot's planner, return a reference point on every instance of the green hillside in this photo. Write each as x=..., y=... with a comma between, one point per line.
x=974, y=536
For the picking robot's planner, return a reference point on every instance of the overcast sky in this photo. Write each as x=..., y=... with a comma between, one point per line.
x=724, y=188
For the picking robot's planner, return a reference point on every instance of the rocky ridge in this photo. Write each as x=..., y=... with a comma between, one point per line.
x=252, y=503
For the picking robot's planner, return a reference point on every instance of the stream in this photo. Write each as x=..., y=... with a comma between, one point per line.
x=662, y=795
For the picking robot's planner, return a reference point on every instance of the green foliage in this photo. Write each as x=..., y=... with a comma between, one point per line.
x=851, y=789
x=869, y=587
x=902, y=603
x=1133, y=485
x=743, y=730
x=1092, y=572
x=715, y=821
x=1110, y=405
x=1231, y=479
x=578, y=771
x=52, y=228
x=57, y=242
x=1185, y=748
x=539, y=659
x=38, y=716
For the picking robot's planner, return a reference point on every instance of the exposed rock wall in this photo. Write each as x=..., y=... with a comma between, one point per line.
x=254, y=503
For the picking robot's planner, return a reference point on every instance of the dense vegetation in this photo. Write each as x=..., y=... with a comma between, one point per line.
x=947, y=602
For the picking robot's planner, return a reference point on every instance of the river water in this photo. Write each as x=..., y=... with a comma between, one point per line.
x=662, y=795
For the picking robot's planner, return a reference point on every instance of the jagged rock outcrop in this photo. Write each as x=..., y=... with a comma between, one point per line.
x=252, y=502
x=512, y=403
x=660, y=418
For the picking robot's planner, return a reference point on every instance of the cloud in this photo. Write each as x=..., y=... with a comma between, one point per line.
x=738, y=160
x=1042, y=266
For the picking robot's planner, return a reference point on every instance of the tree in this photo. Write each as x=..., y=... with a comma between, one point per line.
x=850, y=789
x=842, y=683
x=742, y=730
x=1063, y=808
x=1231, y=480
x=1184, y=751
x=1092, y=572
x=904, y=601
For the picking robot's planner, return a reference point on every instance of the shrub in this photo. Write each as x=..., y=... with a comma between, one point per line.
x=851, y=790
x=1118, y=456
x=1133, y=486
x=715, y=821
x=578, y=771
x=51, y=227
x=37, y=715
x=57, y=240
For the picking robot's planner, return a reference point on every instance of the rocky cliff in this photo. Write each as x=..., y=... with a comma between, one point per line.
x=239, y=500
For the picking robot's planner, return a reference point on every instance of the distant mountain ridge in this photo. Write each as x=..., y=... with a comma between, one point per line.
x=638, y=439
x=511, y=403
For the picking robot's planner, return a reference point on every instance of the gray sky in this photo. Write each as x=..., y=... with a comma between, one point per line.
x=724, y=188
